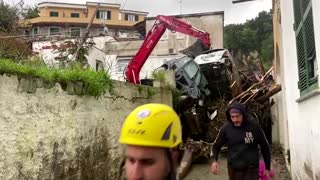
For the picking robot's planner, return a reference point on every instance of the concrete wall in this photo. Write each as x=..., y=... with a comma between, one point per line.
x=303, y=118
x=50, y=134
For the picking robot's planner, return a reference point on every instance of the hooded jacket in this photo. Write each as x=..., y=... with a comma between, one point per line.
x=242, y=142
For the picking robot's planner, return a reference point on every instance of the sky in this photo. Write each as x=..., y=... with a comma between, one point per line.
x=234, y=13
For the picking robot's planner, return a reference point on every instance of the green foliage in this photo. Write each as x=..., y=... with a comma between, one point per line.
x=140, y=88
x=8, y=17
x=12, y=48
x=267, y=50
x=247, y=40
x=255, y=34
x=30, y=12
x=150, y=92
x=176, y=93
x=158, y=75
x=95, y=82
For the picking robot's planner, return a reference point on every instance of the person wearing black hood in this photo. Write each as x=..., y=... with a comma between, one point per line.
x=242, y=137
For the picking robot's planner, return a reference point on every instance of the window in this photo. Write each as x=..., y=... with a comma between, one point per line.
x=306, y=52
x=131, y=17
x=54, y=30
x=35, y=31
x=75, y=32
x=103, y=15
x=26, y=32
x=121, y=65
x=75, y=15
x=54, y=14
x=99, y=65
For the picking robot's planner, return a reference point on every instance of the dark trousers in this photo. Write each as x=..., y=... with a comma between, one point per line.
x=246, y=174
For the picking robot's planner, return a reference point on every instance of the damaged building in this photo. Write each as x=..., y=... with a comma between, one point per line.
x=121, y=52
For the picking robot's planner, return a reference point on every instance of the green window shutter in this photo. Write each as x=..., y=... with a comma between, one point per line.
x=303, y=82
x=310, y=47
x=297, y=12
x=305, y=43
x=305, y=4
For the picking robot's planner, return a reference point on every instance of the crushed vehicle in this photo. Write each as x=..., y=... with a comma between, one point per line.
x=189, y=77
x=220, y=69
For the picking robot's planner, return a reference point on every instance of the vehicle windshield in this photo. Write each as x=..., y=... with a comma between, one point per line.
x=192, y=71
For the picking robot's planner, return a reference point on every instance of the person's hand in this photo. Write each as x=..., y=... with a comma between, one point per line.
x=215, y=167
x=267, y=173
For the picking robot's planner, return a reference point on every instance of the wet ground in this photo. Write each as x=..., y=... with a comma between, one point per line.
x=202, y=171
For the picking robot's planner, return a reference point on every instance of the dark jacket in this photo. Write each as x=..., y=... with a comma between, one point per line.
x=242, y=142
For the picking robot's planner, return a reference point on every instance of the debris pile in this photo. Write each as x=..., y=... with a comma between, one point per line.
x=254, y=91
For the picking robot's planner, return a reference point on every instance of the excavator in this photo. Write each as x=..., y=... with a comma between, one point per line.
x=161, y=24
x=189, y=77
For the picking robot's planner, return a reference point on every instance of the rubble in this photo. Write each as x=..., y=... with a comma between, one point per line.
x=256, y=88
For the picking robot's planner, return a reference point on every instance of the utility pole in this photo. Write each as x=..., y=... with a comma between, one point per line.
x=87, y=31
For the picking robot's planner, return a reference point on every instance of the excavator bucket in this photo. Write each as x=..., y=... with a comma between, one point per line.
x=194, y=50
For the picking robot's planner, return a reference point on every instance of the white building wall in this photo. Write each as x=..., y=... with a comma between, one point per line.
x=303, y=116
x=152, y=63
x=97, y=53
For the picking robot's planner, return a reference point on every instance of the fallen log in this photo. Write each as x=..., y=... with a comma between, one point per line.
x=185, y=164
x=274, y=90
x=251, y=97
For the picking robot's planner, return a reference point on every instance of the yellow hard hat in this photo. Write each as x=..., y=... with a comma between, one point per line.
x=155, y=125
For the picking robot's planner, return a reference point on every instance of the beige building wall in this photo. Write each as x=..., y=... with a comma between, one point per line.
x=279, y=109
x=86, y=11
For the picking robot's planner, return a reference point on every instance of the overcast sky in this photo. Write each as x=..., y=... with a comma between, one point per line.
x=234, y=13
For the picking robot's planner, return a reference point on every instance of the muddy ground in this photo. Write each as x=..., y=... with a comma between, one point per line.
x=202, y=171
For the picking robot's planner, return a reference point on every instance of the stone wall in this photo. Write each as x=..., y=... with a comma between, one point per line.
x=46, y=133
